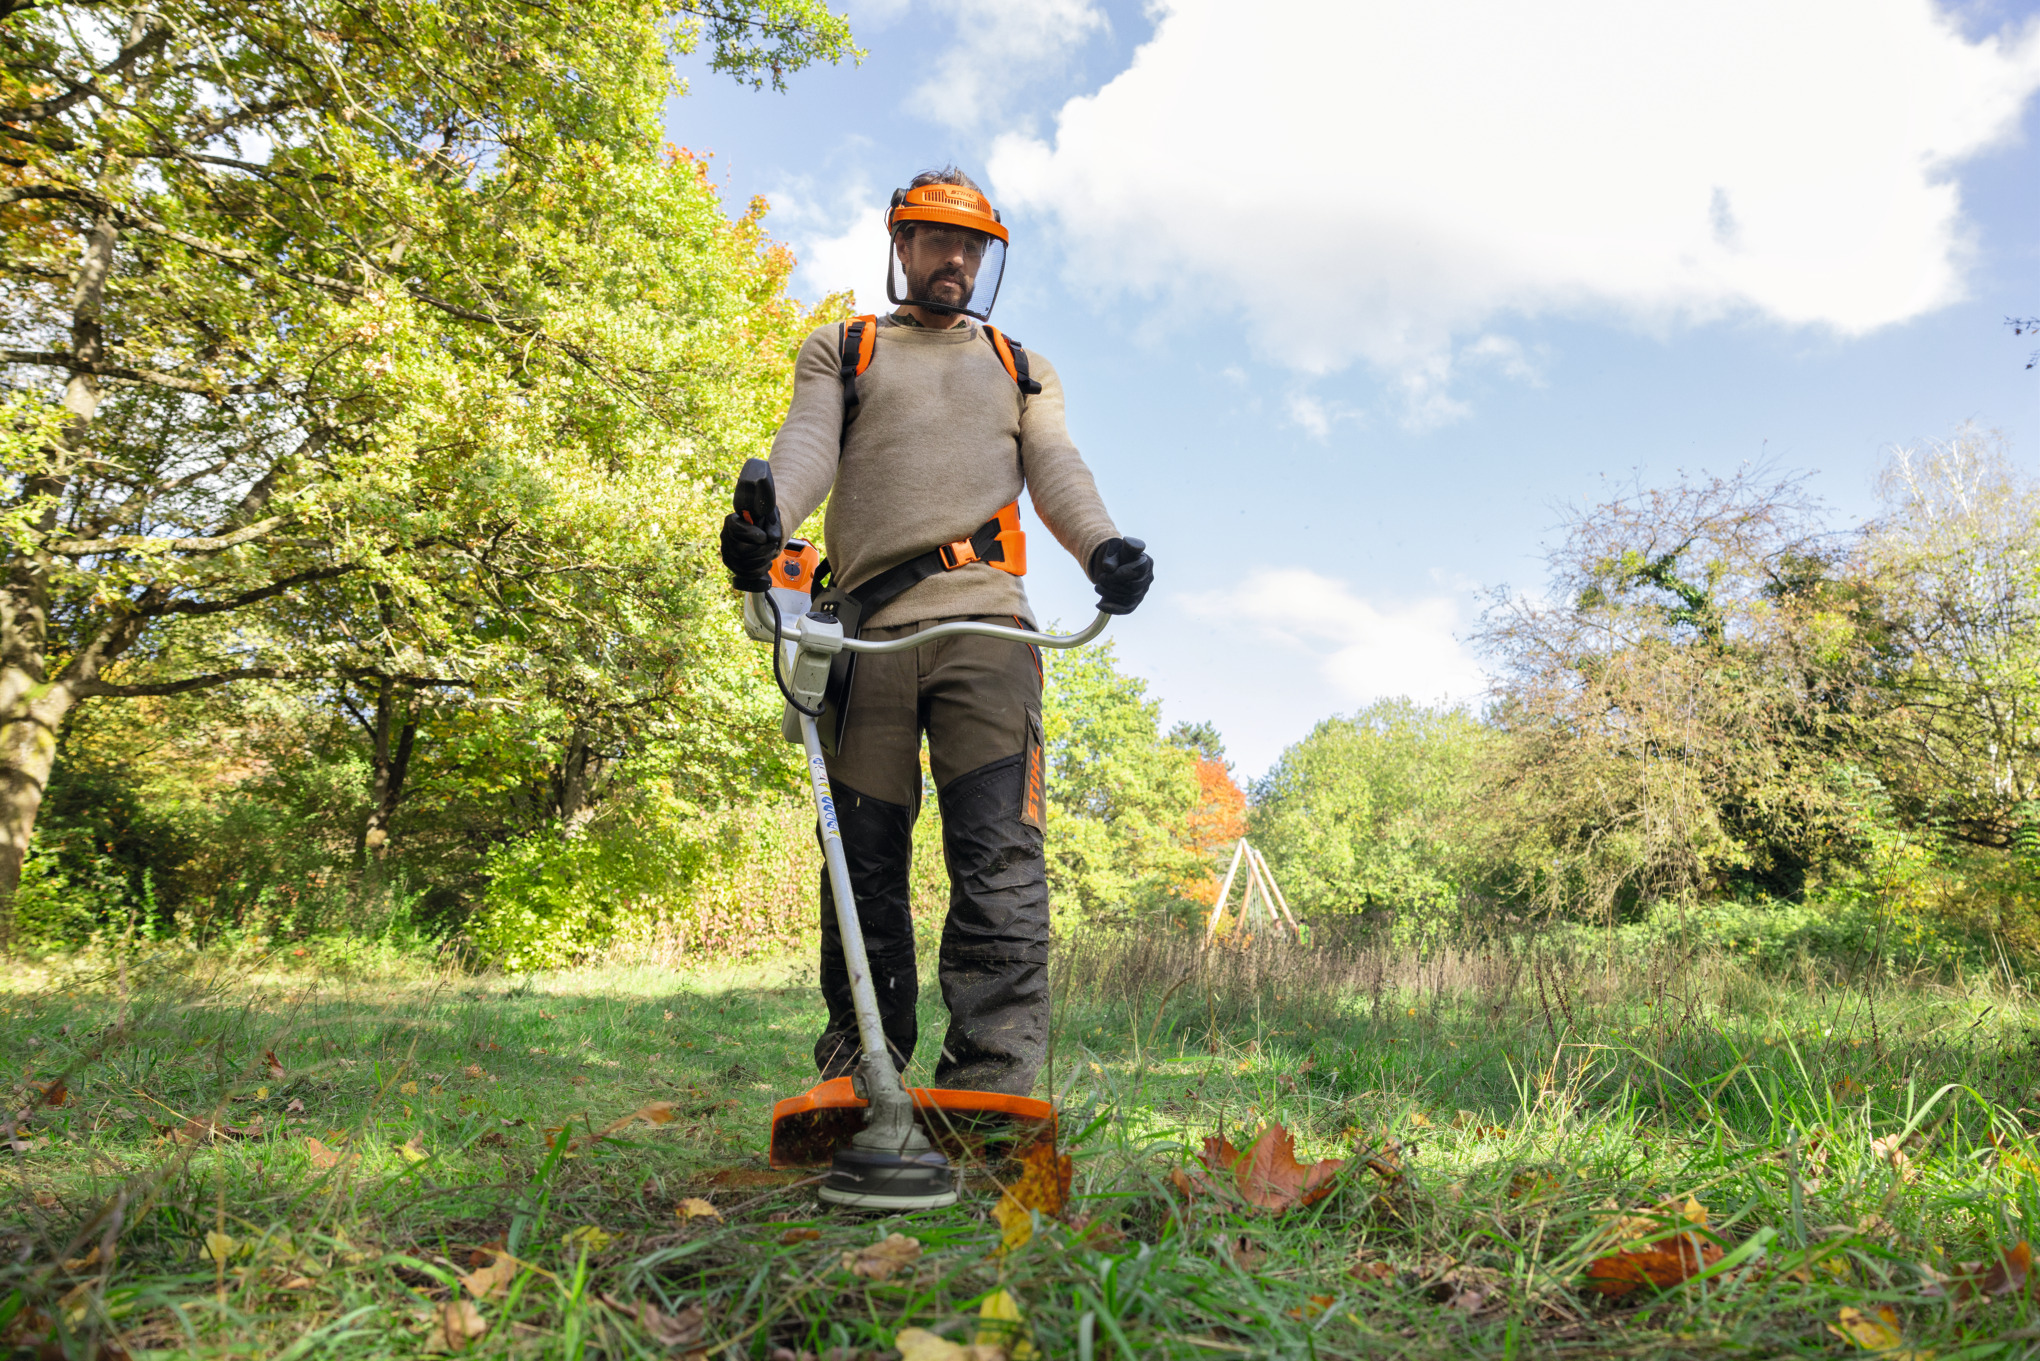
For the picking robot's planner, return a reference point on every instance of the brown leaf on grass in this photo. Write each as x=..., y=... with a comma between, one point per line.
x=486, y=1281
x=1245, y=1253
x=75, y=1265
x=694, y=1207
x=455, y=1324
x=486, y=1253
x=878, y=1261
x=792, y=1236
x=1313, y=1306
x=1846, y=1088
x=579, y=1079
x=295, y=1107
x=1891, y=1151
x=1650, y=1256
x=325, y=1158
x=54, y=1093
x=412, y=1150
x=1269, y=1176
x=1375, y=1273
x=2008, y=1275
x=473, y=1070
x=1099, y=1235
x=495, y=1138
x=273, y=1065
x=1532, y=1184
x=684, y=1331
x=47, y=1200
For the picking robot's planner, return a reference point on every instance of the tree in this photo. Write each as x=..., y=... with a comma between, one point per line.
x=1675, y=704
x=348, y=343
x=1370, y=811
x=1955, y=560
x=1121, y=796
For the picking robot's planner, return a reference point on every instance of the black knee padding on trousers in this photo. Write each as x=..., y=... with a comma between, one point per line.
x=878, y=843
x=995, y=943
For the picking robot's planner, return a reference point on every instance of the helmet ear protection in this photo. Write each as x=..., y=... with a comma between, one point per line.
x=956, y=206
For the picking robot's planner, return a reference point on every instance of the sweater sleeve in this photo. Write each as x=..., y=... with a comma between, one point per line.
x=810, y=439
x=1058, y=481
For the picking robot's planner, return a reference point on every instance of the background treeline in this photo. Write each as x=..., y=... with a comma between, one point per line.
x=1718, y=697
x=374, y=378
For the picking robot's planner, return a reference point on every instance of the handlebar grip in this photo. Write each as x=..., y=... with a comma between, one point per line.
x=756, y=499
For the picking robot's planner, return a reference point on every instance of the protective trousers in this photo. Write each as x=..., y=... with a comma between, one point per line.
x=979, y=701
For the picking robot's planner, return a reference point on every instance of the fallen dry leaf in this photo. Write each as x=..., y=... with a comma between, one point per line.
x=74, y=1265
x=2007, y=1275
x=323, y=1157
x=1043, y=1186
x=454, y=1324
x=1379, y=1273
x=682, y=1331
x=294, y=1107
x=1891, y=1151
x=918, y=1344
x=1419, y=1120
x=1875, y=1332
x=1646, y=1258
x=878, y=1261
x=1846, y=1088
x=792, y=1236
x=694, y=1207
x=588, y=1237
x=1532, y=1184
x=54, y=1093
x=473, y=1070
x=495, y=1138
x=1246, y=1254
x=412, y=1150
x=1269, y=1176
x=220, y=1247
x=1001, y=1326
x=409, y=1089
x=272, y=1064
x=486, y=1281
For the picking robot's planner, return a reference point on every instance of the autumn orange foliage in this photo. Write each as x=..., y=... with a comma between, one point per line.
x=1219, y=821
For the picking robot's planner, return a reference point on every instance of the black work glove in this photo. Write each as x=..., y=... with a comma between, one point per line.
x=748, y=551
x=1122, y=571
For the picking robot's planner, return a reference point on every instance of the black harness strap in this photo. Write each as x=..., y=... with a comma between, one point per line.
x=889, y=585
x=853, y=343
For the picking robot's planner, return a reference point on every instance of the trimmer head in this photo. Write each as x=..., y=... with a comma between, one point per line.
x=822, y=1123
x=881, y=1179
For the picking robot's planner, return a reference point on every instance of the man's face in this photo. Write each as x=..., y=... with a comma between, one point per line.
x=940, y=262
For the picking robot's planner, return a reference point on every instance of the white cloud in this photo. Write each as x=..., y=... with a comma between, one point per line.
x=1383, y=181
x=838, y=241
x=1000, y=47
x=1361, y=651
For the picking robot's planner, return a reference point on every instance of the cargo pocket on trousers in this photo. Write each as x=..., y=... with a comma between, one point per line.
x=1033, y=797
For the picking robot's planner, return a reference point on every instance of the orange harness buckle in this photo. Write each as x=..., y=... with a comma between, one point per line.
x=959, y=554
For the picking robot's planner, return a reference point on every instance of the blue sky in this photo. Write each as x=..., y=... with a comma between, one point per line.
x=1350, y=300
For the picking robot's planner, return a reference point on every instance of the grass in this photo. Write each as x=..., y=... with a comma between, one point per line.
x=1851, y=1140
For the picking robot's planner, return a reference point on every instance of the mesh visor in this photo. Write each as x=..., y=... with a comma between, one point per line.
x=945, y=268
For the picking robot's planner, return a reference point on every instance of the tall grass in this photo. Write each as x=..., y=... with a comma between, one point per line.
x=1849, y=1135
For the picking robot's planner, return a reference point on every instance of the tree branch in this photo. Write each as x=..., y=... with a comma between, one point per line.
x=56, y=359
x=143, y=543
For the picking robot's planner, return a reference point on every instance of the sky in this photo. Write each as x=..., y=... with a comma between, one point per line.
x=1352, y=301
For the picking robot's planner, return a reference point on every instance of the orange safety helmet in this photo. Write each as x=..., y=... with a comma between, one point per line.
x=967, y=231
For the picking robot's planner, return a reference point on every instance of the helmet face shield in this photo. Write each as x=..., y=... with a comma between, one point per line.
x=945, y=268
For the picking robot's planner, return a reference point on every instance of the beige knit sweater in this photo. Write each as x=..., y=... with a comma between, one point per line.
x=943, y=439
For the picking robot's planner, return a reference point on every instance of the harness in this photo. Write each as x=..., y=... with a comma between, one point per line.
x=998, y=543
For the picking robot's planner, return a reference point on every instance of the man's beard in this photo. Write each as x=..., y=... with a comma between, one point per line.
x=955, y=278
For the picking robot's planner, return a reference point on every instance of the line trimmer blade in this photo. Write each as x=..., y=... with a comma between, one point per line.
x=965, y=1127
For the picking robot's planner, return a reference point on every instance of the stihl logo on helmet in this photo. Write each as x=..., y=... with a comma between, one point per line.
x=946, y=250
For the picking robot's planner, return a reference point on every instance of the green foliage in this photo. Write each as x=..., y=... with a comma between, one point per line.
x=1120, y=794
x=1371, y=811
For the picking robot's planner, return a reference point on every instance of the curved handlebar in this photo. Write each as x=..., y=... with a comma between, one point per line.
x=762, y=629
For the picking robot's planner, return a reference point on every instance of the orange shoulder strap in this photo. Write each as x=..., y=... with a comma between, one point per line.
x=1014, y=356
x=860, y=341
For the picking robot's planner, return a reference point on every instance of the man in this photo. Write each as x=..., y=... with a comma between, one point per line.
x=927, y=425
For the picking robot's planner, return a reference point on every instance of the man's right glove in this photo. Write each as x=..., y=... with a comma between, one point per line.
x=1122, y=571
x=748, y=551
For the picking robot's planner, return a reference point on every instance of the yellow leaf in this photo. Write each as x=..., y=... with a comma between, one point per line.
x=1419, y=1120
x=261, y=1093
x=409, y=1089
x=1000, y=1325
x=587, y=1237
x=1016, y=1223
x=1876, y=1332
x=694, y=1207
x=220, y=1246
x=657, y=1112
x=411, y=1150
x=918, y=1344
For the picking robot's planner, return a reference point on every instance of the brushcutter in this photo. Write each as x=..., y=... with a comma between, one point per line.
x=888, y=1146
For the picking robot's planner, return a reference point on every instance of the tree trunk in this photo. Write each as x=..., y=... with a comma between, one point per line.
x=392, y=762
x=32, y=710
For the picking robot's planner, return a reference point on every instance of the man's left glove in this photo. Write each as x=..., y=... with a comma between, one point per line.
x=1122, y=571
x=748, y=551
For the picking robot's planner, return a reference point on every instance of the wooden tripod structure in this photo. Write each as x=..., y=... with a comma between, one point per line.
x=1261, y=895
